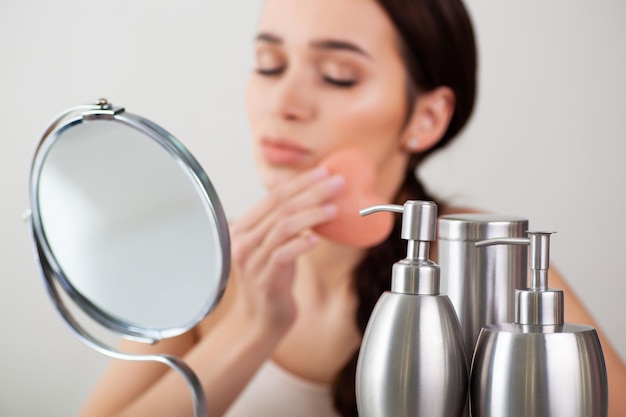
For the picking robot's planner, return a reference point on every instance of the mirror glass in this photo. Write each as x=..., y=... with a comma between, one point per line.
x=133, y=232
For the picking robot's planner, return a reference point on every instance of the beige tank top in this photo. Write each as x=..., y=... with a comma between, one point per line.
x=274, y=392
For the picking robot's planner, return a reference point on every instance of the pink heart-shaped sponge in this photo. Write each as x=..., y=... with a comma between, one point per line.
x=349, y=227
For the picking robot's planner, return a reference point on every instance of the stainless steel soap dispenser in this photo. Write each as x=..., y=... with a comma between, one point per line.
x=412, y=360
x=538, y=366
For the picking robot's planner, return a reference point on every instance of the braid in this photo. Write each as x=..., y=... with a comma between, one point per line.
x=371, y=279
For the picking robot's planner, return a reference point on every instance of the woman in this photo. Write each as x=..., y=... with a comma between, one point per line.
x=395, y=79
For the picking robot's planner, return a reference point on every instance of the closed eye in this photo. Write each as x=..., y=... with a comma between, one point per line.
x=270, y=71
x=340, y=82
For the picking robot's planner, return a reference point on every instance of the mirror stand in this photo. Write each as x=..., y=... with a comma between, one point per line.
x=191, y=379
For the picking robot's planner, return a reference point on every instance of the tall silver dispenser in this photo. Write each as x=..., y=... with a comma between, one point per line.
x=481, y=281
x=538, y=366
x=412, y=361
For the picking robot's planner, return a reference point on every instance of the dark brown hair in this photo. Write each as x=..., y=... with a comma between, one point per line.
x=437, y=43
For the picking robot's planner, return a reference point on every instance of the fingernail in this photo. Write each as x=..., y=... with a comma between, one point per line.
x=319, y=172
x=336, y=182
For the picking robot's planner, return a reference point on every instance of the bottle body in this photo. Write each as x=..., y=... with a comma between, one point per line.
x=534, y=371
x=412, y=360
x=481, y=281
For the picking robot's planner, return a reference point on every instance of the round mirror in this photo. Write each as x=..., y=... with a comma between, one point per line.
x=128, y=222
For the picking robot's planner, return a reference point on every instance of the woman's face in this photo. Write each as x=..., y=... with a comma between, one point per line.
x=328, y=75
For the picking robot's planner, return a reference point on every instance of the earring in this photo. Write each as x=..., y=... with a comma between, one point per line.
x=412, y=143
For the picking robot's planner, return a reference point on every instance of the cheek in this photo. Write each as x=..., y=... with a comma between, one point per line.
x=373, y=122
x=371, y=119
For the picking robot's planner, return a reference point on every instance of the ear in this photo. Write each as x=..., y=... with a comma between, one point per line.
x=429, y=121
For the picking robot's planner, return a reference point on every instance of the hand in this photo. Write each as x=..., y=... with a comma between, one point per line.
x=267, y=241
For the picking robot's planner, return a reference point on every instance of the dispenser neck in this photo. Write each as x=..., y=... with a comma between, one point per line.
x=410, y=276
x=540, y=308
x=416, y=274
x=416, y=249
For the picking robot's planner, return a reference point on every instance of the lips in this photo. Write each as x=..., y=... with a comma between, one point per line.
x=282, y=152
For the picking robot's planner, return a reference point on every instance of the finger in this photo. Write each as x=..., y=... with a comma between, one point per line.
x=312, y=197
x=278, y=270
x=269, y=289
x=291, y=227
x=279, y=195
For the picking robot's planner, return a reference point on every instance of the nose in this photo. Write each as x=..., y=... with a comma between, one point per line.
x=293, y=98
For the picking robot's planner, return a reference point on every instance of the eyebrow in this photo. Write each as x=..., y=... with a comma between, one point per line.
x=326, y=44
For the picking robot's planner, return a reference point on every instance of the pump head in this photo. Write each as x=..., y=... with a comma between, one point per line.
x=537, y=305
x=416, y=274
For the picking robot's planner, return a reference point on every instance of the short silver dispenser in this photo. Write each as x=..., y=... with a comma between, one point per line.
x=538, y=366
x=412, y=361
x=481, y=281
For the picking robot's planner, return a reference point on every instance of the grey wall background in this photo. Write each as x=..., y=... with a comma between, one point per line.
x=548, y=141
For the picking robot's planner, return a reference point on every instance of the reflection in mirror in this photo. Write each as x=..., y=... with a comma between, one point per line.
x=126, y=222
x=127, y=226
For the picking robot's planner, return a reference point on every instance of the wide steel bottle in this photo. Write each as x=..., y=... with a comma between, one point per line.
x=412, y=360
x=538, y=366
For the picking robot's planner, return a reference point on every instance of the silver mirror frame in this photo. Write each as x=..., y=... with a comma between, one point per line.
x=54, y=277
x=104, y=111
